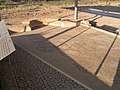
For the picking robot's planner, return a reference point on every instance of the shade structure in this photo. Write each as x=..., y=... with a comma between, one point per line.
x=6, y=44
x=76, y=10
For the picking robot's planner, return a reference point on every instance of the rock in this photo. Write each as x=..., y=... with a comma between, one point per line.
x=27, y=28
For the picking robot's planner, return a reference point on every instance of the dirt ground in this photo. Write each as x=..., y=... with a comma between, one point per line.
x=15, y=16
x=41, y=12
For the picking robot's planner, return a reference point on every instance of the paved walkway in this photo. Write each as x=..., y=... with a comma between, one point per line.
x=103, y=13
x=89, y=56
x=23, y=71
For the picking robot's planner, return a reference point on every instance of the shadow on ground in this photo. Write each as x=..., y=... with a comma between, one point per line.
x=116, y=81
x=108, y=28
x=35, y=24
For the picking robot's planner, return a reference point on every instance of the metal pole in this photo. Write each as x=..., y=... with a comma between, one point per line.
x=76, y=10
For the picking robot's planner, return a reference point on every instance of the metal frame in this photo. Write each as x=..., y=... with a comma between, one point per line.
x=76, y=10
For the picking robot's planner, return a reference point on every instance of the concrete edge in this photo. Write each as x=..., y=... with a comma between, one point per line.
x=100, y=30
x=55, y=67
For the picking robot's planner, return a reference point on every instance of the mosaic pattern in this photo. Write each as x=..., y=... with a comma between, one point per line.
x=31, y=73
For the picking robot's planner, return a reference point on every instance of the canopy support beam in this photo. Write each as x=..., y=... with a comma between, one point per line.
x=76, y=10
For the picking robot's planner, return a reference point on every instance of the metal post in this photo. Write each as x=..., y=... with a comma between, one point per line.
x=76, y=10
